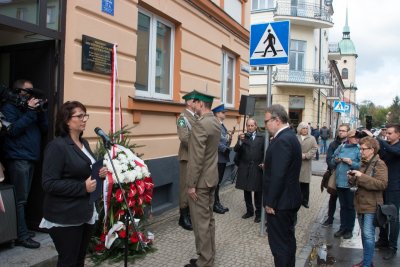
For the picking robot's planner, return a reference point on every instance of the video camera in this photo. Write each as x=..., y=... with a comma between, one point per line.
x=14, y=97
x=248, y=135
x=360, y=134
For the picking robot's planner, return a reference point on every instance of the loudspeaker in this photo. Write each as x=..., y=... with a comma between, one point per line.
x=8, y=216
x=247, y=104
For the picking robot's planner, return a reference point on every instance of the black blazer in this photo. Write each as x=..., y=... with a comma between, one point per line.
x=281, y=186
x=65, y=170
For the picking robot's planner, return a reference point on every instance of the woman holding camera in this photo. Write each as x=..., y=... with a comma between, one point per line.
x=370, y=181
x=346, y=157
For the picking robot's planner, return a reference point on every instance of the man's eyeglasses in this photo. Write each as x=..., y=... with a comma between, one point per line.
x=82, y=117
x=266, y=121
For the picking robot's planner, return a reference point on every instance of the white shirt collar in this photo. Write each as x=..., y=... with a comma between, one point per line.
x=280, y=130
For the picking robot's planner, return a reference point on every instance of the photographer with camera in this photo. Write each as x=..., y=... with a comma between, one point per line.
x=250, y=155
x=20, y=149
x=346, y=157
x=390, y=154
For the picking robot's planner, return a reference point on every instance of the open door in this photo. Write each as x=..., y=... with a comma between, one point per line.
x=34, y=61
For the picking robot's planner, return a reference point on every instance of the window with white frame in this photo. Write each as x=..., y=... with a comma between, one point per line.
x=154, y=57
x=234, y=9
x=262, y=4
x=297, y=55
x=228, y=79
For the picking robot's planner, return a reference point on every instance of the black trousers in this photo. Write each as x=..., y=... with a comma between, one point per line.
x=221, y=171
x=249, y=202
x=71, y=244
x=305, y=192
x=332, y=206
x=281, y=237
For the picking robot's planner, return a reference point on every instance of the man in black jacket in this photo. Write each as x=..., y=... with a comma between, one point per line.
x=20, y=150
x=250, y=155
x=341, y=137
x=281, y=186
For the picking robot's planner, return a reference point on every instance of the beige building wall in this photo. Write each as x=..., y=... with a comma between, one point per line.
x=199, y=42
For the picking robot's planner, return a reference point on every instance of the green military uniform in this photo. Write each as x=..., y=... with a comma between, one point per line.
x=203, y=176
x=184, y=127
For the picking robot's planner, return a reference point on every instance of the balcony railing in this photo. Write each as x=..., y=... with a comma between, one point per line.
x=305, y=10
x=302, y=77
x=334, y=48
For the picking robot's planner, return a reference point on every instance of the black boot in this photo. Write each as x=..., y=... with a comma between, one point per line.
x=184, y=219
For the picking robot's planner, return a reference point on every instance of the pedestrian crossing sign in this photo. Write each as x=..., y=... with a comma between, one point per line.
x=341, y=106
x=269, y=43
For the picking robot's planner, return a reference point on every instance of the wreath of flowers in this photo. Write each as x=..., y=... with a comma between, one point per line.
x=137, y=186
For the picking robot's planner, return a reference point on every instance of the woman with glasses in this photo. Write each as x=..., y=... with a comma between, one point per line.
x=370, y=182
x=346, y=157
x=66, y=179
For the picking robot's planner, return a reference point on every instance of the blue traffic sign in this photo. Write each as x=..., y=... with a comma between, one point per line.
x=341, y=106
x=269, y=43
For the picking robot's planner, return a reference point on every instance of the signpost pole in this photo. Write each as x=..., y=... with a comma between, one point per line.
x=268, y=103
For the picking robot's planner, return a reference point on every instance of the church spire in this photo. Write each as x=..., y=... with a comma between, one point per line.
x=346, y=28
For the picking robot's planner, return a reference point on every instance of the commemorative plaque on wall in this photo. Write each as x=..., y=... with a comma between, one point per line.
x=96, y=55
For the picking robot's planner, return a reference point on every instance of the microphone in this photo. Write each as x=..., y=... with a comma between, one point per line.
x=106, y=139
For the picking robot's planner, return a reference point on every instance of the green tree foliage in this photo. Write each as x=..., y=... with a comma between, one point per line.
x=380, y=115
x=394, y=109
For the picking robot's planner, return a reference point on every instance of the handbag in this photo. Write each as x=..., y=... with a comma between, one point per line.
x=332, y=183
x=384, y=213
x=325, y=179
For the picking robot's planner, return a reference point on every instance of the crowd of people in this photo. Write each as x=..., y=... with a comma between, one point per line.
x=274, y=175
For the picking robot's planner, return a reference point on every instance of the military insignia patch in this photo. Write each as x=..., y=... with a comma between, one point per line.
x=181, y=122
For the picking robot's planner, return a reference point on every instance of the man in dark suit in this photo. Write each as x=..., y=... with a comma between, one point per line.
x=281, y=186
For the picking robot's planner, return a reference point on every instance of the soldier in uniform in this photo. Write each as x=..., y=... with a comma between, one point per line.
x=202, y=179
x=223, y=155
x=184, y=127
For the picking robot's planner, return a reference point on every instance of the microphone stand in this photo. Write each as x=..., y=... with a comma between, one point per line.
x=128, y=214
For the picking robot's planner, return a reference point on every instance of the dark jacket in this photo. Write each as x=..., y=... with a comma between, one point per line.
x=281, y=186
x=23, y=139
x=331, y=149
x=250, y=154
x=390, y=154
x=65, y=170
x=224, y=145
x=324, y=133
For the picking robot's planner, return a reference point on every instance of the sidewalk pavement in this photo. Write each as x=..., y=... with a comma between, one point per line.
x=238, y=241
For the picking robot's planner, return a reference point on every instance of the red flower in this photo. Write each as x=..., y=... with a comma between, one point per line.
x=148, y=183
x=134, y=238
x=140, y=200
x=122, y=234
x=140, y=186
x=103, y=238
x=138, y=211
x=119, y=213
x=99, y=247
x=131, y=202
x=132, y=190
x=148, y=197
x=118, y=195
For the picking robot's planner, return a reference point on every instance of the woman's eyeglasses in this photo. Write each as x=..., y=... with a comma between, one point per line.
x=82, y=117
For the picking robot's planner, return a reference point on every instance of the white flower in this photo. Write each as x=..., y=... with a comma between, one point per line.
x=126, y=168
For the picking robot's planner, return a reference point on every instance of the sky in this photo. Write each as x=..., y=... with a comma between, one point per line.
x=374, y=30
